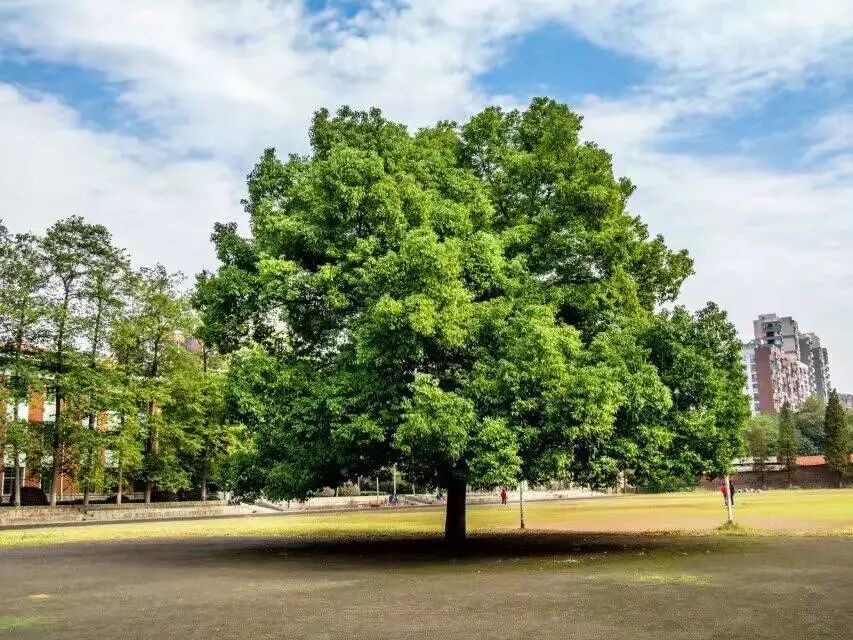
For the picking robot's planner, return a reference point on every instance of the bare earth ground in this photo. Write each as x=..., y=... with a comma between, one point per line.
x=385, y=578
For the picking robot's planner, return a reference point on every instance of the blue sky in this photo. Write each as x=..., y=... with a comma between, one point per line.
x=734, y=119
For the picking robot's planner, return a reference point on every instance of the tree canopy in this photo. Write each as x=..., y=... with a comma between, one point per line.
x=474, y=303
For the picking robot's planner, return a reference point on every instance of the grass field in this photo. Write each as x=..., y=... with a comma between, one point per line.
x=639, y=566
x=826, y=512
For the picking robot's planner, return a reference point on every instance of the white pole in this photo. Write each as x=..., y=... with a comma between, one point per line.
x=394, y=471
x=377, y=488
x=729, y=500
x=521, y=501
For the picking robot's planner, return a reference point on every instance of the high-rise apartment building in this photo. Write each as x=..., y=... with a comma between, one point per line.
x=774, y=377
x=846, y=400
x=819, y=365
x=784, y=333
x=751, y=369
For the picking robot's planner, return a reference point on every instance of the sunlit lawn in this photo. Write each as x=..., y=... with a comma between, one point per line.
x=789, y=512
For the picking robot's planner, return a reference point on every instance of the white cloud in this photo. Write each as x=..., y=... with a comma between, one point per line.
x=832, y=133
x=222, y=80
x=160, y=208
x=763, y=240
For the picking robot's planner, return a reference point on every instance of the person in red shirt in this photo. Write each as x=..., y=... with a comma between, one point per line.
x=725, y=491
x=503, y=496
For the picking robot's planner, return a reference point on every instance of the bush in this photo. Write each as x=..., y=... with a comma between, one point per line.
x=326, y=492
x=349, y=490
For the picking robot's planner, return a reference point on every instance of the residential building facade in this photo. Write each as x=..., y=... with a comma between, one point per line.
x=846, y=400
x=781, y=378
x=783, y=335
x=781, y=332
x=819, y=364
x=751, y=369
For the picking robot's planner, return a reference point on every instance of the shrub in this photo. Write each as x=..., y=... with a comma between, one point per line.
x=349, y=490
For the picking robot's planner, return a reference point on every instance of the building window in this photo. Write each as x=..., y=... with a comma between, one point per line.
x=8, y=479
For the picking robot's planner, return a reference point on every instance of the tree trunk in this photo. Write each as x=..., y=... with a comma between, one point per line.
x=204, y=481
x=3, y=457
x=90, y=461
x=18, y=478
x=57, y=449
x=119, y=490
x=454, y=523
x=152, y=445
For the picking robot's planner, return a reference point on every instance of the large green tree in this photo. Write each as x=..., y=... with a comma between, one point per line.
x=474, y=303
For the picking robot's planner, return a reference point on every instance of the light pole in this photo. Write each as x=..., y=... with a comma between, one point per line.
x=394, y=480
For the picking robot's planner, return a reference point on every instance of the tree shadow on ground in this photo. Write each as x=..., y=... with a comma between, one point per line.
x=503, y=546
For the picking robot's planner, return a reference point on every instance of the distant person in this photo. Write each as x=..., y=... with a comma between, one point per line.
x=503, y=496
x=725, y=491
x=732, y=491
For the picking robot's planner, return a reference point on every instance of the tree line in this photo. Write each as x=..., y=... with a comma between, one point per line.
x=815, y=429
x=133, y=396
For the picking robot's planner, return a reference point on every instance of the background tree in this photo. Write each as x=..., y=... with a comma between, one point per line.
x=838, y=440
x=70, y=248
x=809, y=423
x=787, y=448
x=106, y=287
x=758, y=446
x=474, y=304
x=125, y=436
x=23, y=278
x=197, y=404
x=149, y=337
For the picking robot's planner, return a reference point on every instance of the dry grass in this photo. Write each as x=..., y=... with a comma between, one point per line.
x=825, y=513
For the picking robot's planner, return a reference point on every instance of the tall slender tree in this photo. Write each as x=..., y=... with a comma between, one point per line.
x=70, y=249
x=839, y=443
x=23, y=278
x=788, y=446
x=151, y=333
x=106, y=287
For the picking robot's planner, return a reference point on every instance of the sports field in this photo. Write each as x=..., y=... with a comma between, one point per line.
x=825, y=512
x=636, y=566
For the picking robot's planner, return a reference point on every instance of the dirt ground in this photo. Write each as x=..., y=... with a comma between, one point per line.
x=551, y=585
